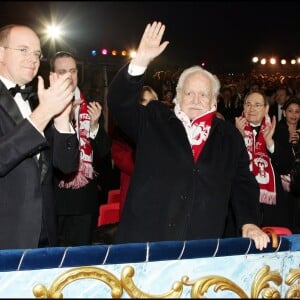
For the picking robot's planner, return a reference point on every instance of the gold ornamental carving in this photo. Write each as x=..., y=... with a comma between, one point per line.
x=261, y=286
x=55, y=291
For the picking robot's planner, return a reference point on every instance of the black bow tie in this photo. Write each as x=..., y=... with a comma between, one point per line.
x=256, y=128
x=24, y=92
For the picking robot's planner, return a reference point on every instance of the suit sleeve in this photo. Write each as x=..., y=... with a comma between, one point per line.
x=101, y=143
x=123, y=101
x=19, y=143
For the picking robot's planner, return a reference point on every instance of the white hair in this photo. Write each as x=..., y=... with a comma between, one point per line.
x=215, y=83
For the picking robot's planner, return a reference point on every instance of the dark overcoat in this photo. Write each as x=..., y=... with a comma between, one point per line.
x=171, y=197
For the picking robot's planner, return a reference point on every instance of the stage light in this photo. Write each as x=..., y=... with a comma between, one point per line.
x=124, y=53
x=54, y=32
x=114, y=52
x=293, y=61
x=263, y=61
x=104, y=51
x=272, y=61
x=94, y=52
x=255, y=59
x=283, y=61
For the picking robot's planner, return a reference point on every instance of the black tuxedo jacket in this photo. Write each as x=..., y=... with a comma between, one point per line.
x=273, y=111
x=26, y=183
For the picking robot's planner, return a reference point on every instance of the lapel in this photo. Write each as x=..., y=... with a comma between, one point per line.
x=43, y=164
x=9, y=105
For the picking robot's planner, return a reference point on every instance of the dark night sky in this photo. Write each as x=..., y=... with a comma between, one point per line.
x=224, y=34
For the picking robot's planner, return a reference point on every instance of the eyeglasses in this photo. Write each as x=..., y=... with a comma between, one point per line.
x=255, y=105
x=25, y=52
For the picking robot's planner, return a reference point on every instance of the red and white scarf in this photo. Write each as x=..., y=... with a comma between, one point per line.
x=197, y=130
x=260, y=163
x=82, y=126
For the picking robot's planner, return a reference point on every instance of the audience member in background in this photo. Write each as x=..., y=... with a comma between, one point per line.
x=77, y=195
x=189, y=164
x=35, y=137
x=167, y=99
x=281, y=95
x=286, y=138
x=148, y=94
x=123, y=148
x=257, y=129
x=227, y=105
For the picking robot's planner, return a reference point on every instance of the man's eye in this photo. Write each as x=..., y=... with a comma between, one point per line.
x=24, y=50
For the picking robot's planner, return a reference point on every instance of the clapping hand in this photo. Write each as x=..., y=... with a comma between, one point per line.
x=94, y=110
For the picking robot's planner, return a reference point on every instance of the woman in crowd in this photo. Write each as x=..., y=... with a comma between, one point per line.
x=286, y=138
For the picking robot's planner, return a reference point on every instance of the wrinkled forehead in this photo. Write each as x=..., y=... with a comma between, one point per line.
x=197, y=81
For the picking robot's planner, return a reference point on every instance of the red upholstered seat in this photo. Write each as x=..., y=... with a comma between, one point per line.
x=278, y=230
x=114, y=196
x=274, y=232
x=109, y=213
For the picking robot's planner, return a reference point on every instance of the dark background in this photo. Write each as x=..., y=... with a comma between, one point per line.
x=224, y=35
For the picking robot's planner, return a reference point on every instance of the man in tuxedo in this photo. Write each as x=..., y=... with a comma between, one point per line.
x=282, y=94
x=257, y=129
x=35, y=139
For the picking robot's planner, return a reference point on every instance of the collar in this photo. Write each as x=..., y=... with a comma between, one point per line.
x=9, y=84
x=255, y=125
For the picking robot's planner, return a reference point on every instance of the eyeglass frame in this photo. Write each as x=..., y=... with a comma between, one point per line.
x=25, y=52
x=257, y=106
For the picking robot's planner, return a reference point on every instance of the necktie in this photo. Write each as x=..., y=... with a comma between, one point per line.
x=24, y=92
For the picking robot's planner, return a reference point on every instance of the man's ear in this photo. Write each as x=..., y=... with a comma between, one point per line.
x=1, y=53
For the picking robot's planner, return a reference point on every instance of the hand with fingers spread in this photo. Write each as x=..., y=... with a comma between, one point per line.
x=268, y=132
x=53, y=101
x=150, y=45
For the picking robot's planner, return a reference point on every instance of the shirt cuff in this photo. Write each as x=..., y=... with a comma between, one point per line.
x=135, y=70
x=94, y=133
x=272, y=148
x=72, y=130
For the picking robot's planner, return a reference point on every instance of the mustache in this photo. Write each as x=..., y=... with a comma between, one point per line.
x=195, y=106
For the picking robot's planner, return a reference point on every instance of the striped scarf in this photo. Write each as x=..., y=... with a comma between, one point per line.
x=85, y=171
x=260, y=163
x=197, y=130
